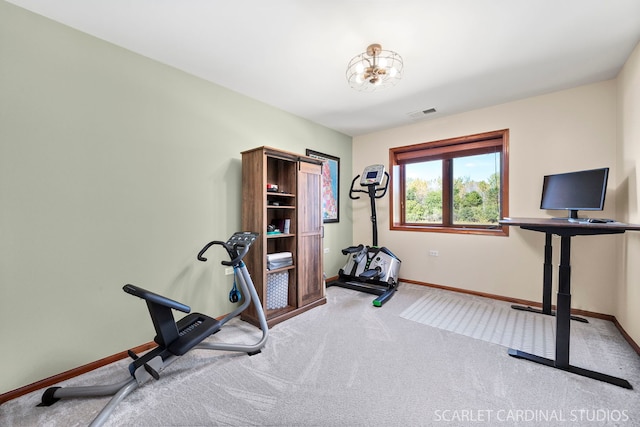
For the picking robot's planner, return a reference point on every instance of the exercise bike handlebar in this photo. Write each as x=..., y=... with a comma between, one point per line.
x=375, y=190
x=232, y=250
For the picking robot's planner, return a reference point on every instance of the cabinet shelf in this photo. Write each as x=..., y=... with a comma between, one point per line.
x=280, y=200
x=274, y=193
x=279, y=235
x=281, y=269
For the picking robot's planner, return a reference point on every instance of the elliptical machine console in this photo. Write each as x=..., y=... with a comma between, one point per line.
x=372, y=175
x=370, y=269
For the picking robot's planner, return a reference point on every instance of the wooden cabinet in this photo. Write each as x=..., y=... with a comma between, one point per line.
x=295, y=209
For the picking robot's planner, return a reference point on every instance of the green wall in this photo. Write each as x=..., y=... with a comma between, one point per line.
x=116, y=169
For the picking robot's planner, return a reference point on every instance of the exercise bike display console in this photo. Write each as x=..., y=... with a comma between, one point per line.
x=370, y=269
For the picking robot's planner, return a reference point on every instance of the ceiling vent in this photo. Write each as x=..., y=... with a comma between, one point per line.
x=417, y=115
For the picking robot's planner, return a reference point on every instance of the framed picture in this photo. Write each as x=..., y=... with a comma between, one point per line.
x=330, y=186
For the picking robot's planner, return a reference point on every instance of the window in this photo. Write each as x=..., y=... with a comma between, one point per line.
x=458, y=185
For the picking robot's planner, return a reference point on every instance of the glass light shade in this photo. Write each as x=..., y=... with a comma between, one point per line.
x=374, y=69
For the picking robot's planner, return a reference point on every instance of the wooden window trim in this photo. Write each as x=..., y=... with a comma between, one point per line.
x=444, y=150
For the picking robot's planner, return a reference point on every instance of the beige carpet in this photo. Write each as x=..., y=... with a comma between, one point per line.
x=348, y=363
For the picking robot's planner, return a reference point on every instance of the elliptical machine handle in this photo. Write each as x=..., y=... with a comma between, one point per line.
x=352, y=190
x=372, y=190
x=383, y=189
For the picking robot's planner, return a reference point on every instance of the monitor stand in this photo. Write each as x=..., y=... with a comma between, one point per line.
x=572, y=217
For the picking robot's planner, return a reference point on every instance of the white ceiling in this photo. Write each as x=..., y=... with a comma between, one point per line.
x=458, y=55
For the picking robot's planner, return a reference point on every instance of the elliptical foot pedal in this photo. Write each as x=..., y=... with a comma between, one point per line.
x=369, y=274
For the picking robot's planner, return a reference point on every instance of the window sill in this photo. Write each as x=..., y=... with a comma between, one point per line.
x=497, y=230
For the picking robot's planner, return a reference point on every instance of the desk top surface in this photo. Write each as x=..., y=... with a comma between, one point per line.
x=552, y=223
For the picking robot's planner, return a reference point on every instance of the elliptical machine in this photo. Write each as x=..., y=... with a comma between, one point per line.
x=370, y=269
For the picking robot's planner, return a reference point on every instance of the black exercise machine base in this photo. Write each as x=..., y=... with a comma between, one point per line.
x=569, y=368
x=540, y=311
x=369, y=288
x=384, y=292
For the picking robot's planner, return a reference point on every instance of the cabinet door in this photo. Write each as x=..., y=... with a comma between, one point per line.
x=309, y=263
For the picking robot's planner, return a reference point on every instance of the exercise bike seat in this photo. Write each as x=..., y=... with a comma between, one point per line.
x=176, y=337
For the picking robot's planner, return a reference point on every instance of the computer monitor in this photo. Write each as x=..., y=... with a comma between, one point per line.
x=575, y=191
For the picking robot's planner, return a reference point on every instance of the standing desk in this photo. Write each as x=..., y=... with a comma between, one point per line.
x=546, y=285
x=565, y=229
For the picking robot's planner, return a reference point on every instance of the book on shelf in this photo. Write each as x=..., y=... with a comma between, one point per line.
x=282, y=224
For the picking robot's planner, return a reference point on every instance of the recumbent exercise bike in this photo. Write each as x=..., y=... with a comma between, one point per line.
x=370, y=269
x=174, y=339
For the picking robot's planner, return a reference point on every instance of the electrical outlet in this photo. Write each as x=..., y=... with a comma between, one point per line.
x=433, y=252
x=326, y=250
x=228, y=271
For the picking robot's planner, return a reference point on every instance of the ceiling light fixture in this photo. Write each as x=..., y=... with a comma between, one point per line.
x=374, y=69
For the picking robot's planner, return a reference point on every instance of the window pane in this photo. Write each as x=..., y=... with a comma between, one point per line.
x=476, y=189
x=423, y=192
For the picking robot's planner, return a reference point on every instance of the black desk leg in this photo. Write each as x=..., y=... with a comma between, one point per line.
x=547, y=281
x=548, y=271
x=563, y=326
x=563, y=314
